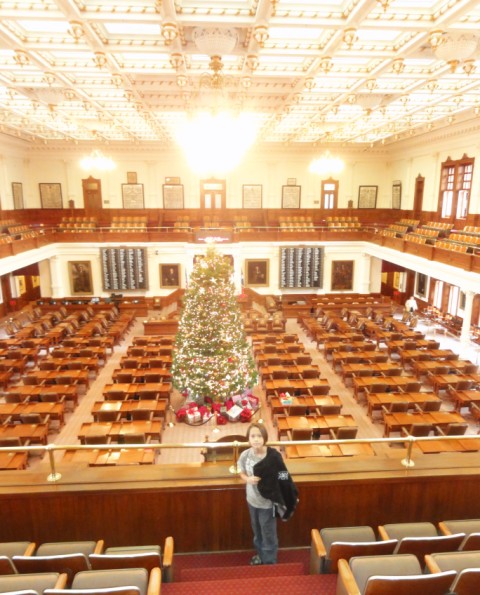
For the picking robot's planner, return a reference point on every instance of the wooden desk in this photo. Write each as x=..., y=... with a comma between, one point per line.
x=13, y=460
x=72, y=352
x=376, y=401
x=337, y=344
x=347, y=357
x=65, y=363
x=125, y=408
x=395, y=346
x=423, y=368
x=463, y=398
x=443, y=381
x=138, y=375
x=372, y=369
x=319, y=423
x=15, y=410
x=116, y=430
x=33, y=392
x=295, y=387
x=5, y=379
x=160, y=327
x=346, y=449
x=135, y=389
x=30, y=354
x=437, y=446
x=393, y=383
x=56, y=376
x=140, y=456
x=33, y=433
x=311, y=402
x=151, y=340
x=395, y=421
x=409, y=355
x=293, y=371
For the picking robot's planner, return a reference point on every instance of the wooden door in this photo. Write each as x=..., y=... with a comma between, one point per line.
x=418, y=197
x=92, y=195
x=213, y=194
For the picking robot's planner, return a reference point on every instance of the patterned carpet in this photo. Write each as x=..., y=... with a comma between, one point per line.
x=230, y=574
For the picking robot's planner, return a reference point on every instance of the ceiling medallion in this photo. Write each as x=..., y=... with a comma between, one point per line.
x=214, y=41
x=454, y=48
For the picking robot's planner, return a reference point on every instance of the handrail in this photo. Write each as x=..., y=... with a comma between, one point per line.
x=54, y=476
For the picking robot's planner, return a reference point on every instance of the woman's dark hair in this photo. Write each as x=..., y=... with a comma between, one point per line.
x=261, y=428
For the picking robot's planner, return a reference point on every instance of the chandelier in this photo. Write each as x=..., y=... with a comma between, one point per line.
x=454, y=48
x=97, y=160
x=326, y=164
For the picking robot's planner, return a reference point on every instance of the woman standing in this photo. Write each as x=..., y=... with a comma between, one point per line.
x=270, y=492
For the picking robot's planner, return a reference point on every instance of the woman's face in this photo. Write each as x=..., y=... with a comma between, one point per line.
x=255, y=438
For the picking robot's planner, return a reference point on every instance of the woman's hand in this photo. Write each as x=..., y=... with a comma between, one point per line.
x=253, y=479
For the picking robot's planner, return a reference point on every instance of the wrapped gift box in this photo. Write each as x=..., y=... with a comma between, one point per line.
x=234, y=413
x=193, y=416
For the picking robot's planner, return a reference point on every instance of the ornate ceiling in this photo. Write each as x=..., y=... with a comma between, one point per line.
x=338, y=72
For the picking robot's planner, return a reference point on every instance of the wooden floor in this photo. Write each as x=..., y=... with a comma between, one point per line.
x=183, y=433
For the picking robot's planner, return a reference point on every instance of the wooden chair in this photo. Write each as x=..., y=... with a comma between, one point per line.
x=452, y=429
x=402, y=575
x=107, y=415
x=135, y=438
x=420, y=539
x=467, y=582
x=124, y=377
x=395, y=407
x=32, y=583
x=330, y=410
x=70, y=564
x=134, y=581
x=141, y=414
x=428, y=406
x=319, y=390
x=418, y=430
x=331, y=544
x=344, y=433
x=300, y=434
x=6, y=566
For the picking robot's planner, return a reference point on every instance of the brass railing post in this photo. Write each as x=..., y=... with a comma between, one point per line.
x=54, y=476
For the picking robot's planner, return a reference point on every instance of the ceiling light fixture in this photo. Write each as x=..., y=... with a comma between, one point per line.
x=384, y=4
x=260, y=34
x=326, y=64
x=454, y=48
x=169, y=32
x=97, y=160
x=350, y=37
x=326, y=165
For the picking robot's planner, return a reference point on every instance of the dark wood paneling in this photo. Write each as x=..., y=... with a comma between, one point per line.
x=216, y=518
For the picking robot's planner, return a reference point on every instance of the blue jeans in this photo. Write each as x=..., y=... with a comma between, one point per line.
x=264, y=527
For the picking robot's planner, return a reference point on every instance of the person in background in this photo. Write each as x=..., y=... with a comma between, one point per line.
x=270, y=490
x=411, y=305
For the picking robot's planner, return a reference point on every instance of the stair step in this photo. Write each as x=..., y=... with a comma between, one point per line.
x=273, y=585
x=232, y=572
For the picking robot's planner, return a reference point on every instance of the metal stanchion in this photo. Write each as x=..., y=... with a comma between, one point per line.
x=407, y=461
x=54, y=476
x=234, y=469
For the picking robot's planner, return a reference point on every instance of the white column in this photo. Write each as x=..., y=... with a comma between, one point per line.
x=467, y=316
x=58, y=290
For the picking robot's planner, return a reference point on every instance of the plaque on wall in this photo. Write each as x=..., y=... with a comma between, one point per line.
x=132, y=195
x=51, y=195
x=367, y=197
x=17, y=192
x=173, y=196
x=124, y=268
x=252, y=196
x=291, y=197
x=301, y=267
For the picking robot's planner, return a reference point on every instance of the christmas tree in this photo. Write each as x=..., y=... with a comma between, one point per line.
x=213, y=358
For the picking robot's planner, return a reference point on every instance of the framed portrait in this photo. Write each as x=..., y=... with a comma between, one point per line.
x=252, y=196
x=170, y=275
x=50, y=195
x=342, y=275
x=80, y=273
x=17, y=193
x=367, y=197
x=131, y=177
x=256, y=273
x=132, y=196
x=291, y=197
x=396, y=194
x=173, y=196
